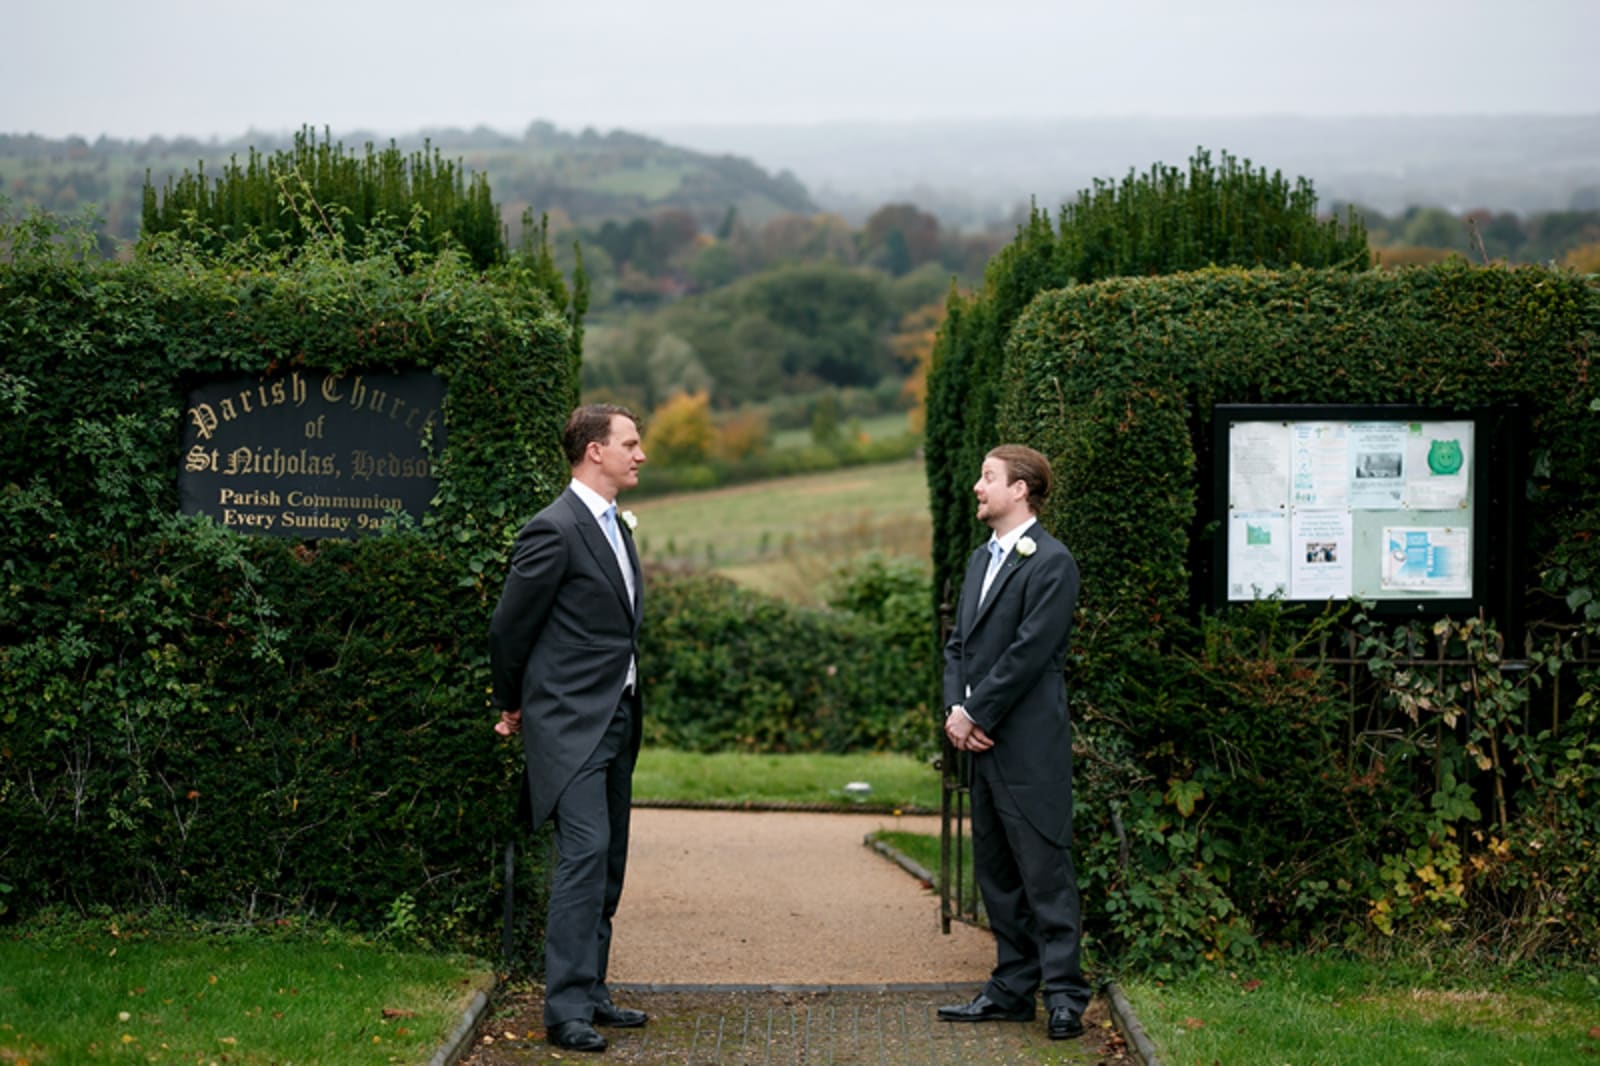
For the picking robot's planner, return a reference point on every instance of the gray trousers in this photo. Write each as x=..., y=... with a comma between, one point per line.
x=1030, y=892
x=591, y=834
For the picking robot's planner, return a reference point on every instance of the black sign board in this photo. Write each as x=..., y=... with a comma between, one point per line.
x=309, y=454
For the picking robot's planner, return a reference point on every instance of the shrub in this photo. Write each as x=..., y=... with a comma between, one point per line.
x=727, y=669
x=240, y=726
x=1237, y=780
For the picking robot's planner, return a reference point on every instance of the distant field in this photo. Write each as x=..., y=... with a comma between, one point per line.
x=788, y=536
x=877, y=428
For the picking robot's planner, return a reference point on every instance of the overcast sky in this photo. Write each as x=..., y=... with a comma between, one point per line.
x=225, y=67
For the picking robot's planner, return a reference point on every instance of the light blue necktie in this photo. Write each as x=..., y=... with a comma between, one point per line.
x=996, y=556
x=609, y=521
x=610, y=516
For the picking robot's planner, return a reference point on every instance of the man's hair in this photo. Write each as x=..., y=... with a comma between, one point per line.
x=1028, y=466
x=590, y=424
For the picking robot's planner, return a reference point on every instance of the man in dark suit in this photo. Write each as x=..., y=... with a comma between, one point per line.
x=563, y=649
x=1007, y=700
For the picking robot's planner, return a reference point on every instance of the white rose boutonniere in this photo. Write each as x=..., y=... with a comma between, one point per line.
x=1026, y=547
x=631, y=519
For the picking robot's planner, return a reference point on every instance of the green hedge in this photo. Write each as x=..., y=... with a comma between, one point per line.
x=244, y=726
x=726, y=669
x=1231, y=785
x=1165, y=220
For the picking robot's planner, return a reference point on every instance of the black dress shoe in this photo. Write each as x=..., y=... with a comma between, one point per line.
x=1064, y=1025
x=576, y=1035
x=984, y=1009
x=619, y=1017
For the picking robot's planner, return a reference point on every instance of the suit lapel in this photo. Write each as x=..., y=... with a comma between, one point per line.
x=971, y=587
x=1008, y=564
x=594, y=538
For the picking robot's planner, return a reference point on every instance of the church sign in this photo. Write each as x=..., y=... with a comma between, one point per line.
x=311, y=454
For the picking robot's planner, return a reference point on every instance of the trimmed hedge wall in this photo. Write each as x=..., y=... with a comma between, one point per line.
x=245, y=726
x=726, y=669
x=1229, y=787
x=1163, y=221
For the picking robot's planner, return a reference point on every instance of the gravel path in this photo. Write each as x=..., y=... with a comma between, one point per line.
x=757, y=898
x=759, y=939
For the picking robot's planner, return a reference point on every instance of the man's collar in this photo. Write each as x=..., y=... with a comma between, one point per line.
x=596, y=503
x=1009, y=541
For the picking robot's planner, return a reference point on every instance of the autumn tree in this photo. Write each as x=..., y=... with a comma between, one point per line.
x=681, y=431
x=900, y=237
x=912, y=346
x=743, y=435
x=1585, y=258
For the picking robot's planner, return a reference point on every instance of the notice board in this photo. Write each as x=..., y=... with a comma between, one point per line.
x=1338, y=502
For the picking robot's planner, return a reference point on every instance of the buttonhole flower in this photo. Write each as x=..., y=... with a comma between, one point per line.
x=632, y=520
x=1026, y=547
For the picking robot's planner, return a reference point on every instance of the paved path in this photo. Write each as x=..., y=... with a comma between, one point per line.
x=732, y=897
x=766, y=938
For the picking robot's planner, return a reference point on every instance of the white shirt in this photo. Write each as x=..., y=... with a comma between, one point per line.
x=1007, y=544
x=1009, y=541
x=598, y=505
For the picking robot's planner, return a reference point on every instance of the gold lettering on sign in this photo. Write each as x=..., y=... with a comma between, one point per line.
x=206, y=418
x=360, y=395
x=200, y=460
x=278, y=463
x=364, y=465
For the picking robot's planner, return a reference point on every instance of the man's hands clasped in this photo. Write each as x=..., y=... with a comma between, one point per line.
x=964, y=733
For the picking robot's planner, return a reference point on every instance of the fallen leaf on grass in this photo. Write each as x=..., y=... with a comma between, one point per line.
x=396, y=1012
x=1251, y=985
x=1193, y=1023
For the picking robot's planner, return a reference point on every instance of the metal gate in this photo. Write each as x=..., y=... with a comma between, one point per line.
x=958, y=892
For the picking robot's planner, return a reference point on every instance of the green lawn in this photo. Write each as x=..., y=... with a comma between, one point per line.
x=1338, y=1012
x=787, y=536
x=94, y=992
x=667, y=776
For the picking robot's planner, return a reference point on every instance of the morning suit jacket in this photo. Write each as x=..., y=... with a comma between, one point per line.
x=1004, y=663
x=560, y=642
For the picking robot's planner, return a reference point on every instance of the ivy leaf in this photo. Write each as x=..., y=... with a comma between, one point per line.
x=1184, y=795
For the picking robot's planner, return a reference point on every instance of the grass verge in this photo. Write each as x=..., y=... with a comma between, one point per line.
x=665, y=776
x=92, y=992
x=1344, y=1012
x=924, y=850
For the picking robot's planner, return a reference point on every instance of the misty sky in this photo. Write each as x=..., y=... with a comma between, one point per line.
x=225, y=67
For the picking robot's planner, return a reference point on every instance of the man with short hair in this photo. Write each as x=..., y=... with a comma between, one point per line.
x=1007, y=700
x=563, y=651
